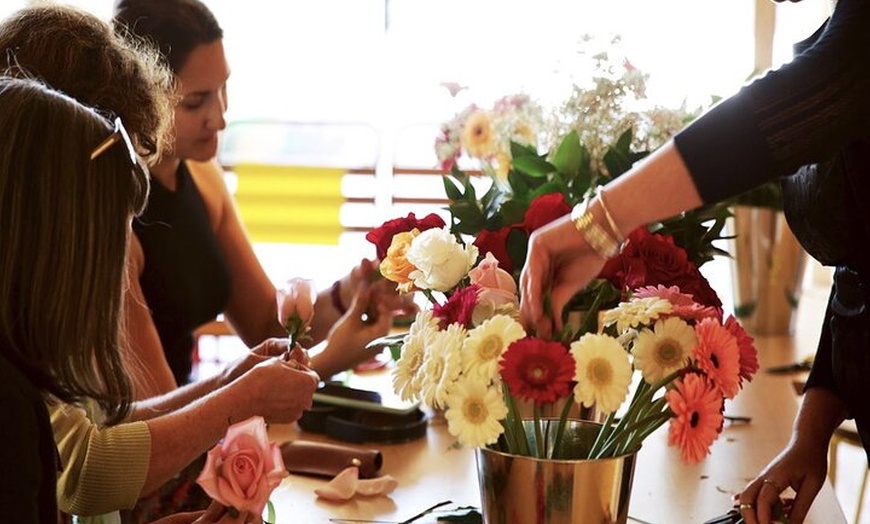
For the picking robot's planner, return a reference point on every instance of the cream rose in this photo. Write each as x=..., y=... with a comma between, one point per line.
x=440, y=259
x=244, y=468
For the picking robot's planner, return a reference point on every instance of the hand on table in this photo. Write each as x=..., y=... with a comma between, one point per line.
x=802, y=467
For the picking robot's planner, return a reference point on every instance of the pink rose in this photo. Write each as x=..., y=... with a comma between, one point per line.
x=497, y=286
x=296, y=306
x=244, y=468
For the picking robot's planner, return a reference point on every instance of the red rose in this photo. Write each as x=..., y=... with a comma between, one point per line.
x=495, y=242
x=383, y=236
x=650, y=259
x=544, y=210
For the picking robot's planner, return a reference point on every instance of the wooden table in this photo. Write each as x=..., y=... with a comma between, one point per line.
x=666, y=491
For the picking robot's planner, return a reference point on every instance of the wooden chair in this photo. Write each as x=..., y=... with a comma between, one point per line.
x=847, y=433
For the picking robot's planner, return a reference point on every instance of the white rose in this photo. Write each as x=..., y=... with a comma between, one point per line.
x=440, y=259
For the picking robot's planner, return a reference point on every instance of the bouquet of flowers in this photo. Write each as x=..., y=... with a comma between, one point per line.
x=469, y=356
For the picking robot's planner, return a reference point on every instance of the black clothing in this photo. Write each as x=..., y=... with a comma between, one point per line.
x=28, y=456
x=811, y=116
x=185, y=280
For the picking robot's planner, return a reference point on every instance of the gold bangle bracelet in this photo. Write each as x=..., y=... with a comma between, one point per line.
x=599, y=192
x=596, y=236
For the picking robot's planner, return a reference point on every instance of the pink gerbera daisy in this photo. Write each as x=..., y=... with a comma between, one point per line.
x=684, y=305
x=718, y=356
x=746, y=345
x=538, y=370
x=697, y=406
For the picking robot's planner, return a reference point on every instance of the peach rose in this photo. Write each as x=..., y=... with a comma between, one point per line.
x=244, y=468
x=497, y=286
x=395, y=267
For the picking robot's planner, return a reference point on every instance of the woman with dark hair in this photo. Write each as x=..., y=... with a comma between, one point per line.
x=60, y=308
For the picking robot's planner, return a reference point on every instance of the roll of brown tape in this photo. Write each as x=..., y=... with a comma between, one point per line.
x=328, y=460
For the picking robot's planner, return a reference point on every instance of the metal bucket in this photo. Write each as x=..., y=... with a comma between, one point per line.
x=525, y=490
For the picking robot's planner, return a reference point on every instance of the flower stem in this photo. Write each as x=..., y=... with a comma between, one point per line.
x=612, y=446
x=270, y=512
x=563, y=418
x=520, y=444
x=539, y=436
x=603, y=434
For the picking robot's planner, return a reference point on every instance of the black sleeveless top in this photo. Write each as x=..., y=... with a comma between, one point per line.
x=185, y=280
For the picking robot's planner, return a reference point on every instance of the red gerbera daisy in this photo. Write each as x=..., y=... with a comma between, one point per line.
x=697, y=406
x=538, y=370
x=745, y=343
x=718, y=356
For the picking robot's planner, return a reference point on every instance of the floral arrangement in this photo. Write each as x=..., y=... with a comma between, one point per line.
x=469, y=356
x=243, y=469
x=486, y=134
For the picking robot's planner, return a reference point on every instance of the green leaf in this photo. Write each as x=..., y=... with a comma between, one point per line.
x=521, y=150
x=513, y=211
x=470, y=218
x=450, y=187
x=570, y=155
x=533, y=165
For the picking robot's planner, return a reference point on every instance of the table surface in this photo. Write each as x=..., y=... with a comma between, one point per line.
x=666, y=491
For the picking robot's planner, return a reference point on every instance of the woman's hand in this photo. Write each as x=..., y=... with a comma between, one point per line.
x=802, y=467
x=272, y=347
x=558, y=265
x=279, y=390
x=383, y=291
x=367, y=319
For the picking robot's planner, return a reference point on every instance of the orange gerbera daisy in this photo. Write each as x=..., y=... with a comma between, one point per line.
x=718, y=356
x=697, y=406
x=746, y=344
x=538, y=370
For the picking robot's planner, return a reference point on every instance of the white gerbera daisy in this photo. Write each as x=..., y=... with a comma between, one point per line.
x=486, y=343
x=603, y=372
x=407, y=378
x=475, y=412
x=636, y=312
x=660, y=351
x=442, y=365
